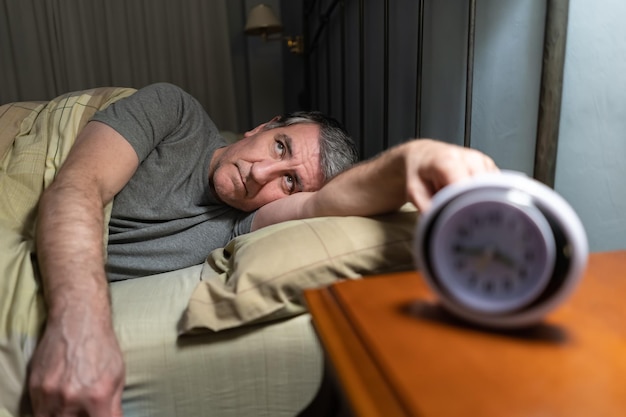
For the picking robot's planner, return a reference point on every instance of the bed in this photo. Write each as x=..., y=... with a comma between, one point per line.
x=230, y=337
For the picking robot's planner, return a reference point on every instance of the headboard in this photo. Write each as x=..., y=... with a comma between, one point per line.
x=370, y=63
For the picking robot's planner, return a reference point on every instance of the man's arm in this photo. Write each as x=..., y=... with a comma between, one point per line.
x=77, y=368
x=410, y=172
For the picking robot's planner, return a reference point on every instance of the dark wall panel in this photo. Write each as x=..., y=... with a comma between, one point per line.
x=362, y=66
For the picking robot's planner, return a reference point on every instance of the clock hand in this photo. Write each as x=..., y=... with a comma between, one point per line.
x=504, y=259
x=483, y=255
x=486, y=255
x=470, y=251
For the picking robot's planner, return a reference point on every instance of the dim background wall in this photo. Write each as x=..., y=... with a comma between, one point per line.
x=591, y=164
x=268, y=80
x=507, y=67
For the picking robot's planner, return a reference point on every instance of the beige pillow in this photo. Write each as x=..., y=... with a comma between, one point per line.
x=262, y=275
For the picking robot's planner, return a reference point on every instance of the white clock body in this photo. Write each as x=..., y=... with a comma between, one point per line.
x=500, y=250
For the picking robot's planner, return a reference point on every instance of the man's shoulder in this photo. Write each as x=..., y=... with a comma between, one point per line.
x=164, y=91
x=164, y=86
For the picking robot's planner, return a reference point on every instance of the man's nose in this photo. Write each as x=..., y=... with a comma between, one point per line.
x=263, y=172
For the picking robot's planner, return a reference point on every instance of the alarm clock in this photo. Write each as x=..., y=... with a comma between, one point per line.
x=500, y=249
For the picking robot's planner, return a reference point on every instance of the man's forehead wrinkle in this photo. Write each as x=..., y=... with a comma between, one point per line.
x=288, y=141
x=298, y=147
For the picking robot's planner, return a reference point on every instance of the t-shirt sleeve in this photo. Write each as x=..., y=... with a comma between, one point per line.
x=150, y=115
x=243, y=225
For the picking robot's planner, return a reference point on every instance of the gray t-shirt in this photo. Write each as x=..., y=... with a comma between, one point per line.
x=166, y=217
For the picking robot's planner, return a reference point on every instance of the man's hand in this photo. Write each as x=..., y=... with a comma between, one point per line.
x=431, y=165
x=77, y=368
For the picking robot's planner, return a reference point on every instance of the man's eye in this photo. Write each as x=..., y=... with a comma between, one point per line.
x=290, y=182
x=280, y=148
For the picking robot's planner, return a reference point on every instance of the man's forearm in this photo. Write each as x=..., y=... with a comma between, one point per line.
x=78, y=367
x=373, y=187
x=70, y=249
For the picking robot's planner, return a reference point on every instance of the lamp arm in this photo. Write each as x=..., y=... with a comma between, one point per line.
x=294, y=43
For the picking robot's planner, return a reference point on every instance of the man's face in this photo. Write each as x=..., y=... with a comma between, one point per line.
x=267, y=165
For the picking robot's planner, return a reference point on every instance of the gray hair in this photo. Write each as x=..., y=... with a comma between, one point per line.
x=337, y=149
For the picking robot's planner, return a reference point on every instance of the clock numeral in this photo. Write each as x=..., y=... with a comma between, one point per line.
x=523, y=273
x=494, y=218
x=460, y=264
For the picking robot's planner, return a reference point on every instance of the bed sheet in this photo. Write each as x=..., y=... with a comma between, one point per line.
x=272, y=369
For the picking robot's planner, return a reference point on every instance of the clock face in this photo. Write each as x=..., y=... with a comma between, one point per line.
x=492, y=250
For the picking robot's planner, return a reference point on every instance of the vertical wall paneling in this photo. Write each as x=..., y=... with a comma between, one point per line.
x=335, y=70
x=361, y=78
x=323, y=53
x=469, y=83
x=329, y=76
x=321, y=63
x=237, y=14
x=373, y=138
x=551, y=90
x=465, y=72
x=404, y=69
x=419, y=54
x=294, y=65
x=444, y=70
x=305, y=96
x=351, y=78
x=343, y=59
x=385, y=137
x=366, y=78
x=266, y=77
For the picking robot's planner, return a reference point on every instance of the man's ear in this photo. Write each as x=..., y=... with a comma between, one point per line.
x=259, y=128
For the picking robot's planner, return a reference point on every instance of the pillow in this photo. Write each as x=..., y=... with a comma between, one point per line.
x=261, y=276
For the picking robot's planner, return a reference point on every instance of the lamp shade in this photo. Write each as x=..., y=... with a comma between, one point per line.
x=262, y=21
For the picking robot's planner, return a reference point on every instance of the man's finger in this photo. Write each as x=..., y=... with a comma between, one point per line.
x=116, y=404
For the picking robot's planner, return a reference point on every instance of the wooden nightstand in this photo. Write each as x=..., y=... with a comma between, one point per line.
x=395, y=352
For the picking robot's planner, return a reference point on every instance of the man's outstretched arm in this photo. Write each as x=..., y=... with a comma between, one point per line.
x=77, y=368
x=411, y=172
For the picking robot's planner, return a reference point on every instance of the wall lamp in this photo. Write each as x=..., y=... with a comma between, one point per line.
x=263, y=22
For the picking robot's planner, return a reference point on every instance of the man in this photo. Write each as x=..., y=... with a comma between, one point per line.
x=148, y=152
